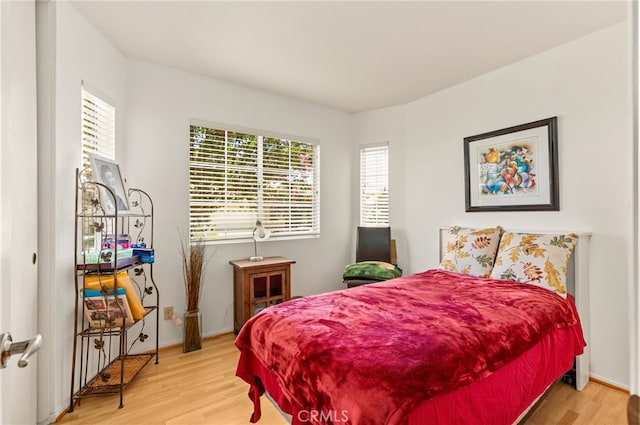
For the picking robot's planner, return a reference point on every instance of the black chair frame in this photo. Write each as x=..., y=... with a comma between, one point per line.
x=372, y=244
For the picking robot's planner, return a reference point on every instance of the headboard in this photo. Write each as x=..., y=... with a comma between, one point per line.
x=577, y=285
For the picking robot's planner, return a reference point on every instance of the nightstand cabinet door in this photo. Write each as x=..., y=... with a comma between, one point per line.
x=258, y=285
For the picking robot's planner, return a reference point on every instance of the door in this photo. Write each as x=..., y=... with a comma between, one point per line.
x=18, y=205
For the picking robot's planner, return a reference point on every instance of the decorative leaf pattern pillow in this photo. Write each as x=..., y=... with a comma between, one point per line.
x=377, y=270
x=471, y=251
x=538, y=259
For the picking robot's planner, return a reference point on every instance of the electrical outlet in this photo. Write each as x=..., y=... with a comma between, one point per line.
x=168, y=313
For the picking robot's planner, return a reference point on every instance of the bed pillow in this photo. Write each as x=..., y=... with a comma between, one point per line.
x=374, y=270
x=471, y=251
x=538, y=259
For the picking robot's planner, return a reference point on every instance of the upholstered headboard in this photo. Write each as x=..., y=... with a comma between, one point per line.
x=577, y=285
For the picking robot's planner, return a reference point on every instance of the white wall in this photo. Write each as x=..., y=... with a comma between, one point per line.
x=153, y=108
x=161, y=101
x=82, y=54
x=586, y=84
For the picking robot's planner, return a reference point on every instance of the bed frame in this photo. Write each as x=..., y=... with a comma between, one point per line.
x=577, y=285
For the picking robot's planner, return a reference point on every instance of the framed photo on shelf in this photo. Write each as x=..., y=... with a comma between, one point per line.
x=513, y=169
x=106, y=311
x=107, y=172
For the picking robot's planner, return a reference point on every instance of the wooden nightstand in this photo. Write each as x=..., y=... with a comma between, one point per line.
x=258, y=285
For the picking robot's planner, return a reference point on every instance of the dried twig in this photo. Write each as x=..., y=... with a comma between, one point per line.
x=193, y=263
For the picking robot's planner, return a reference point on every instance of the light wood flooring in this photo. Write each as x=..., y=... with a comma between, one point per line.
x=201, y=388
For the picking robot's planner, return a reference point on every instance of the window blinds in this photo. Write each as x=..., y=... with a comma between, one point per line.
x=98, y=127
x=236, y=178
x=374, y=185
x=98, y=136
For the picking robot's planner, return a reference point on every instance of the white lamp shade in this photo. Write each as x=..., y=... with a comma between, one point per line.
x=260, y=233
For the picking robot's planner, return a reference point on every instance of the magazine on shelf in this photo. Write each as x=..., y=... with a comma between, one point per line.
x=107, y=310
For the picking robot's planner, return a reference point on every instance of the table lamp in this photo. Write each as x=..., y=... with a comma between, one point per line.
x=259, y=234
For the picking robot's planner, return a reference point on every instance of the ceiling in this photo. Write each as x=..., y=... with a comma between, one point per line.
x=352, y=56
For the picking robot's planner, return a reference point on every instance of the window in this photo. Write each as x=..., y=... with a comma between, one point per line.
x=98, y=127
x=98, y=136
x=374, y=185
x=237, y=177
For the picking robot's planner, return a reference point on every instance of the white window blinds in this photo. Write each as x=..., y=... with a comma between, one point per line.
x=98, y=136
x=236, y=178
x=374, y=185
x=98, y=127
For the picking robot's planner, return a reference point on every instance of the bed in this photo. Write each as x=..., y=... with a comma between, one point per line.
x=436, y=347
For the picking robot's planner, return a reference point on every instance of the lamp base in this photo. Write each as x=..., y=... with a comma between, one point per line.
x=256, y=258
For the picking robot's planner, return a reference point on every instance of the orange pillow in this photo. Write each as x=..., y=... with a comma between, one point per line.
x=97, y=282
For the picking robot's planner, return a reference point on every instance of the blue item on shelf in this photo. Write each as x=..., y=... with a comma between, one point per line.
x=147, y=255
x=95, y=293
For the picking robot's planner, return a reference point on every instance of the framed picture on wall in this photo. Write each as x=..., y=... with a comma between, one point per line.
x=107, y=172
x=513, y=169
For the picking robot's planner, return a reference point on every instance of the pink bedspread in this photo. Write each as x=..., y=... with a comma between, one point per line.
x=371, y=354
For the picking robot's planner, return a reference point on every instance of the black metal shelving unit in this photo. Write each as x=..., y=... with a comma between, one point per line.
x=104, y=357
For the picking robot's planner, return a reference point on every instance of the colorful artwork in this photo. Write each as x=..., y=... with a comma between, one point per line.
x=508, y=169
x=513, y=169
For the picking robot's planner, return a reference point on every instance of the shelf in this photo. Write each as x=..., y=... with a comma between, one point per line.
x=123, y=215
x=108, y=267
x=132, y=365
x=102, y=364
x=115, y=330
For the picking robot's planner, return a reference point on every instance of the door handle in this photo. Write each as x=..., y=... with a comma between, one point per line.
x=27, y=348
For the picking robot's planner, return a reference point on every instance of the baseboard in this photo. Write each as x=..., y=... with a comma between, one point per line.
x=608, y=383
x=215, y=334
x=61, y=415
x=220, y=335
x=177, y=342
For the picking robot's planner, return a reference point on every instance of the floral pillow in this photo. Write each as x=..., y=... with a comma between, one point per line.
x=538, y=259
x=471, y=251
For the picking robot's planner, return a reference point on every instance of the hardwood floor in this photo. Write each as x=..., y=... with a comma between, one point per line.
x=193, y=388
x=201, y=388
x=597, y=404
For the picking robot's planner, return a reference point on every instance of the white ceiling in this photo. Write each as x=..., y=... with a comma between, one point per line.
x=353, y=56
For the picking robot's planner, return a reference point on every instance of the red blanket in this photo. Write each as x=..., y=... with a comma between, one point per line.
x=370, y=354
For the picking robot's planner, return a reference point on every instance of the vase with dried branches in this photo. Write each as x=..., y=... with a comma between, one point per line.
x=193, y=263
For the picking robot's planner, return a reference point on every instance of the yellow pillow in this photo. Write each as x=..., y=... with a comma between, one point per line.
x=471, y=251
x=541, y=260
x=97, y=282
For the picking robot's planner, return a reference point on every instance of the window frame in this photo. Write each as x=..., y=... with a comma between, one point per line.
x=92, y=92
x=363, y=207
x=245, y=234
x=102, y=103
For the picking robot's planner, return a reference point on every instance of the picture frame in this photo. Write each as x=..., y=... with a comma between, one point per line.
x=107, y=172
x=513, y=169
x=107, y=311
